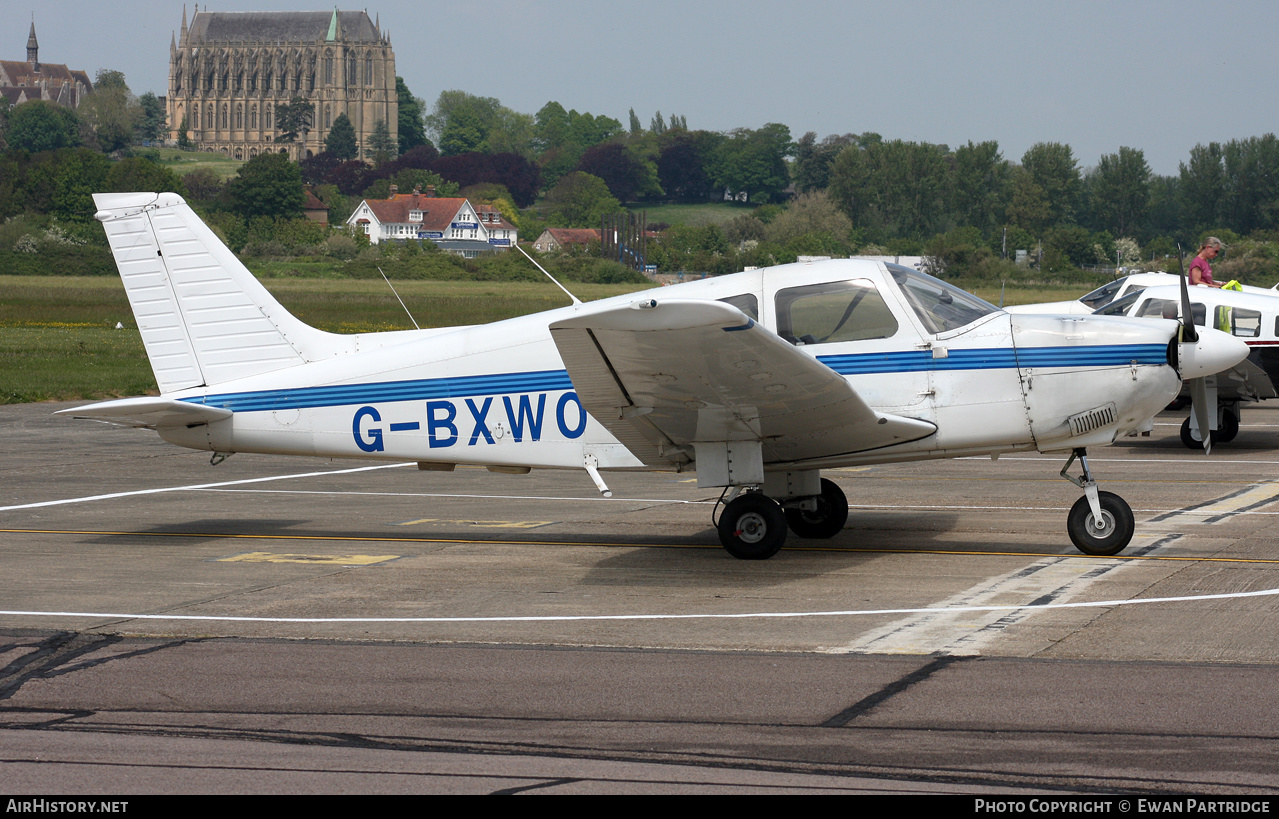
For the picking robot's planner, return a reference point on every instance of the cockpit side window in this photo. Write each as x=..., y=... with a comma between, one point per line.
x=833, y=311
x=746, y=302
x=941, y=307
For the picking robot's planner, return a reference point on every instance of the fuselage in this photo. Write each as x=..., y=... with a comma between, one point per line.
x=499, y=394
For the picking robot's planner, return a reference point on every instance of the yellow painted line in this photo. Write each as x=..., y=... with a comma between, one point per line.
x=616, y=544
x=483, y=524
x=332, y=560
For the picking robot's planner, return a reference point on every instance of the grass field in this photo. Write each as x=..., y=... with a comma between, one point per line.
x=58, y=339
x=699, y=214
x=183, y=162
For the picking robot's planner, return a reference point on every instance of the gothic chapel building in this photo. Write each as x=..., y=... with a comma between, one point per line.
x=228, y=71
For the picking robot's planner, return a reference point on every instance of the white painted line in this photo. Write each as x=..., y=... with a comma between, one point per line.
x=198, y=486
x=573, y=617
x=1092, y=459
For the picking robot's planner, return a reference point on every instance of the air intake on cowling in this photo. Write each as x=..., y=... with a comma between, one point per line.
x=1092, y=419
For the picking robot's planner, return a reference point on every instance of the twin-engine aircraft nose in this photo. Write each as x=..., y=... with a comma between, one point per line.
x=1214, y=352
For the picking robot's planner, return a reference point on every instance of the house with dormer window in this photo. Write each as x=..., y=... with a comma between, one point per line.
x=452, y=223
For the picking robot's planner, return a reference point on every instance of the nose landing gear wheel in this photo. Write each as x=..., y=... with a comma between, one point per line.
x=752, y=527
x=1107, y=536
x=826, y=520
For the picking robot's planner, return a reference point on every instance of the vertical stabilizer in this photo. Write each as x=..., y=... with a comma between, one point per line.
x=203, y=317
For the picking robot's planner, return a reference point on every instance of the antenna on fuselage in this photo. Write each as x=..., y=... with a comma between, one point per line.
x=575, y=299
x=401, y=301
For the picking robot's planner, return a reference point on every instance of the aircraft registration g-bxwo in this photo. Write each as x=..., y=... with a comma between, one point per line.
x=758, y=380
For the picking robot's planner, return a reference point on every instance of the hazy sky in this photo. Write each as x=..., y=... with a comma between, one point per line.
x=1159, y=76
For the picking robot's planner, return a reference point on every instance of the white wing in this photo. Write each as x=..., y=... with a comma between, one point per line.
x=662, y=376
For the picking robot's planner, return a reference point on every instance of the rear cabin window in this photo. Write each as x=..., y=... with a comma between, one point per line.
x=747, y=303
x=832, y=312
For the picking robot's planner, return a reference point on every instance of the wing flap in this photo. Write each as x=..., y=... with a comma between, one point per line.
x=680, y=372
x=148, y=412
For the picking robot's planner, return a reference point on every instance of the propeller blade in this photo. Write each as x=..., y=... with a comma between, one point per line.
x=1188, y=333
x=1199, y=406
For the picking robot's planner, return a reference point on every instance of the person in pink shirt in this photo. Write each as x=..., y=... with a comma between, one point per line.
x=1200, y=271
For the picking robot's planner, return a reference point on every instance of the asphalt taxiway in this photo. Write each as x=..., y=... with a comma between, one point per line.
x=288, y=625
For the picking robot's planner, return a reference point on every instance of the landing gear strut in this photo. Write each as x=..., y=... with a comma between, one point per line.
x=1100, y=523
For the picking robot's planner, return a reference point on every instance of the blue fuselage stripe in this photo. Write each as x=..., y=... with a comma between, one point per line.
x=335, y=395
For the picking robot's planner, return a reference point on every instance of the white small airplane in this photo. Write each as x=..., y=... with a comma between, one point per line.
x=1120, y=288
x=1251, y=316
x=757, y=380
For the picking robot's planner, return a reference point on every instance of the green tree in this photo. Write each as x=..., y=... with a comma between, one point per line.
x=1119, y=190
x=1203, y=187
x=1028, y=207
x=293, y=118
x=341, y=138
x=111, y=111
x=380, y=143
x=754, y=162
x=154, y=122
x=1053, y=168
x=42, y=126
x=267, y=185
x=579, y=200
x=810, y=213
x=813, y=159
x=409, y=120
x=140, y=174
x=894, y=189
x=184, y=138
x=1252, y=184
x=982, y=179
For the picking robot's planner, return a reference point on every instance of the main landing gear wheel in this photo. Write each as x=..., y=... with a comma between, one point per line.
x=752, y=527
x=1108, y=536
x=826, y=520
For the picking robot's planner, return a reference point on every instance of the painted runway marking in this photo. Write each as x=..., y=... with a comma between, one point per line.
x=482, y=524
x=561, y=618
x=338, y=560
x=1243, y=502
x=957, y=629
x=161, y=489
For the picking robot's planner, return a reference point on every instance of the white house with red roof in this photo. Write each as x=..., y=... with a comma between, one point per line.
x=452, y=223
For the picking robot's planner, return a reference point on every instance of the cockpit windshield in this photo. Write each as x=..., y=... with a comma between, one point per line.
x=1104, y=295
x=940, y=306
x=1118, y=307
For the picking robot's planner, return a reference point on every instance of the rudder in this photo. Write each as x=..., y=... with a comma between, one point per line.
x=203, y=317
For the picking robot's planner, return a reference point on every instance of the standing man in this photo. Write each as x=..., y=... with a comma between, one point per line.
x=1200, y=271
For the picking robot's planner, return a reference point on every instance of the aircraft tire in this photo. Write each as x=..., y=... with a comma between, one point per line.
x=1229, y=428
x=1188, y=437
x=1115, y=531
x=824, y=522
x=752, y=527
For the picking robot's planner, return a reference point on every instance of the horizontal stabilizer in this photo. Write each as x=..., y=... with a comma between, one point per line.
x=149, y=412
